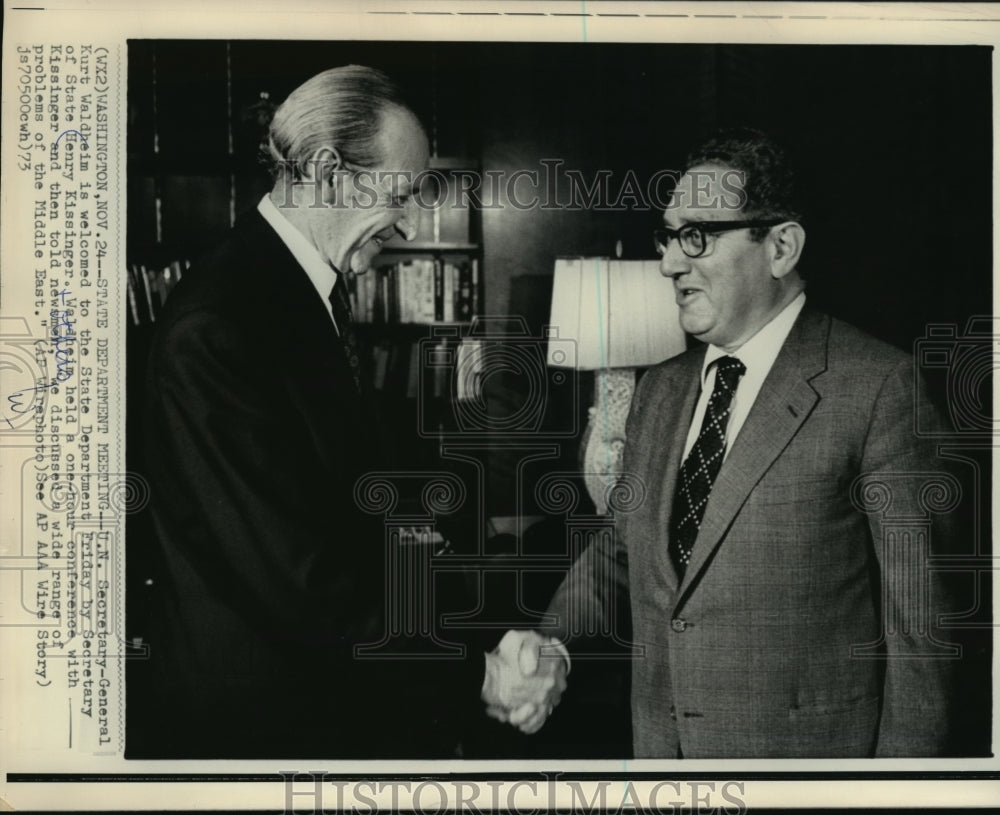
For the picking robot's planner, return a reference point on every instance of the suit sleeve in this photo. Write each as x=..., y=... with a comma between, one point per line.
x=908, y=495
x=594, y=596
x=240, y=497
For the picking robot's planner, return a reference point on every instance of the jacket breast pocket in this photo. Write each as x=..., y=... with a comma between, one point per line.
x=802, y=488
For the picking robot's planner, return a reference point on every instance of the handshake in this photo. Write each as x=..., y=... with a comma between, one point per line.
x=525, y=678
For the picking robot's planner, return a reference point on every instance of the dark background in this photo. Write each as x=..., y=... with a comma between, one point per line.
x=894, y=144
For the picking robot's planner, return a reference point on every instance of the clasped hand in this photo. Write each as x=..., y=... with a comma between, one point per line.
x=524, y=681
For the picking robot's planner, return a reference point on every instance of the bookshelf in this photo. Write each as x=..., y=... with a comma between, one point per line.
x=414, y=309
x=198, y=113
x=429, y=247
x=190, y=177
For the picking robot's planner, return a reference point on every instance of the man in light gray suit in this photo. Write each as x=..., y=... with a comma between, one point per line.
x=777, y=568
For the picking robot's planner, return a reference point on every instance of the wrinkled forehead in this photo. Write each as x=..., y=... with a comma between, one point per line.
x=706, y=192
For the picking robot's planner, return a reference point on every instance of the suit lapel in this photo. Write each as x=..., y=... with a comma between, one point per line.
x=319, y=338
x=315, y=362
x=784, y=403
x=674, y=412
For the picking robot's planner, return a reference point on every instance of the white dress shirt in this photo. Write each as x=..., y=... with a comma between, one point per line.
x=757, y=354
x=321, y=273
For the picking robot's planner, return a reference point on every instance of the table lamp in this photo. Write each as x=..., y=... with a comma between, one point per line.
x=620, y=315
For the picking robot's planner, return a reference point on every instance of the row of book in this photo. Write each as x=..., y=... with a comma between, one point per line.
x=440, y=370
x=148, y=288
x=421, y=290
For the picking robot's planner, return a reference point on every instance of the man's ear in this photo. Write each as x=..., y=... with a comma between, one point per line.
x=785, y=244
x=322, y=172
x=323, y=162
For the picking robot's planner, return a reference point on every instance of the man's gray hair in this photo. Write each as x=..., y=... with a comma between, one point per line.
x=339, y=108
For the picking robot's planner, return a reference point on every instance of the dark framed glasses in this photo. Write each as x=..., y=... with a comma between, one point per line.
x=692, y=236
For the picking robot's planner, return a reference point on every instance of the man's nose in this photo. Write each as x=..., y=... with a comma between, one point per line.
x=407, y=224
x=673, y=261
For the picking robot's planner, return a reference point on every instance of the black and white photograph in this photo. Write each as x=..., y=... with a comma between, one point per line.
x=513, y=406
x=376, y=290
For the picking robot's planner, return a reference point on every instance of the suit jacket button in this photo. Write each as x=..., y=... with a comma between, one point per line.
x=678, y=624
x=673, y=713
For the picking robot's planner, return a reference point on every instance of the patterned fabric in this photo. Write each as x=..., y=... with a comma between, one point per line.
x=749, y=656
x=702, y=465
x=345, y=325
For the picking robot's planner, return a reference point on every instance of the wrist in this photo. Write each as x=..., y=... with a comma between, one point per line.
x=489, y=688
x=563, y=651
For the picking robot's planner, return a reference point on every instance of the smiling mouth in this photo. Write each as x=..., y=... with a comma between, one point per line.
x=686, y=293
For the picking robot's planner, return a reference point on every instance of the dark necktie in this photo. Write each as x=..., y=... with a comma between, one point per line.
x=702, y=465
x=342, y=316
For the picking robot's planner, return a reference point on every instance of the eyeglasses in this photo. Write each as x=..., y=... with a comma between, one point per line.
x=692, y=236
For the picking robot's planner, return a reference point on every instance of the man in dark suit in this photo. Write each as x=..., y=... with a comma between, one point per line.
x=777, y=567
x=258, y=429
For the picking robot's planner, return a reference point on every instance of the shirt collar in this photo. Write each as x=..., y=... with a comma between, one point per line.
x=321, y=273
x=763, y=347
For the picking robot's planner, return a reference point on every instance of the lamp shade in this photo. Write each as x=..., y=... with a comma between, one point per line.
x=617, y=314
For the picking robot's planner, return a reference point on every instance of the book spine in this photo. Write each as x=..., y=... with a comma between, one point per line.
x=426, y=304
x=144, y=274
x=389, y=287
x=439, y=310
x=450, y=283
x=475, y=288
x=402, y=279
x=381, y=295
x=132, y=304
x=371, y=290
x=464, y=292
